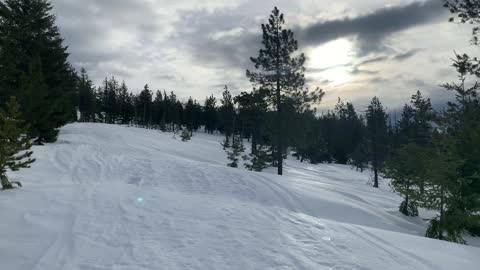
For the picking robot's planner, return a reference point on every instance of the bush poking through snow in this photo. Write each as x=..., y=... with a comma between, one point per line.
x=185, y=135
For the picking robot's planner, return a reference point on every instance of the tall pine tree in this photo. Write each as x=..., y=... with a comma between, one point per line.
x=377, y=136
x=281, y=73
x=33, y=56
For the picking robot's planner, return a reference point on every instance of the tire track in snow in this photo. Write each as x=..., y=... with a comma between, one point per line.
x=293, y=202
x=400, y=256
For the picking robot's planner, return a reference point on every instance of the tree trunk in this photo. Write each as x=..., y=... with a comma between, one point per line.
x=279, y=129
x=407, y=195
x=279, y=108
x=254, y=143
x=375, y=181
x=5, y=183
x=375, y=164
x=442, y=214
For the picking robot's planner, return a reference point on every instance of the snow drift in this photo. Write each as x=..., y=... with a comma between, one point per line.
x=79, y=210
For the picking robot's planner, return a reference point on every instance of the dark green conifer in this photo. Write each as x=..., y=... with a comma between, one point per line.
x=15, y=144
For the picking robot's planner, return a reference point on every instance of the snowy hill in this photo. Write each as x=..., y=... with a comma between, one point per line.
x=81, y=209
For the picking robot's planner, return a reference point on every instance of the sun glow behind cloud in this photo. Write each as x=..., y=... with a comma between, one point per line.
x=331, y=62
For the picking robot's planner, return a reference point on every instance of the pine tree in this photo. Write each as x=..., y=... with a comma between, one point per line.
x=461, y=125
x=235, y=152
x=210, y=114
x=32, y=55
x=109, y=100
x=36, y=107
x=178, y=114
x=225, y=143
x=253, y=108
x=86, y=97
x=304, y=126
x=191, y=115
x=467, y=11
x=423, y=115
x=359, y=157
x=14, y=143
x=144, y=106
x=165, y=112
x=125, y=104
x=227, y=113
x=345, y=143
x=444, y=193
x=377, y=136
x=406, y=169
x=185, y=135
x=280, y=73
x=259, y=160
x=406, y=125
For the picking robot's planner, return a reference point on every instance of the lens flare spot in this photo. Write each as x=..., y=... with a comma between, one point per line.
x=140, y=200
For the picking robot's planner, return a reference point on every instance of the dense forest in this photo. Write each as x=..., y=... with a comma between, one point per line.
x=432, y=157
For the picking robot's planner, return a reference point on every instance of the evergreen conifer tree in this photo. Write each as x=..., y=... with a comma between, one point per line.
x=210, y=114
x=281, y=74
x=235, y=152
x=86, y=97
x=125, y=104
x=227, y=113
x=33, y=58
x=359, y=157
x=259, y=160
x=14, y=143
x=253, y=108
x=444, y=192
x=405, y=169
x=377, y=136
x=144, y=106
x=191, y=115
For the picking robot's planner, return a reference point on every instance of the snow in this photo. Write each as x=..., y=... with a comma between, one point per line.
x=113, y=197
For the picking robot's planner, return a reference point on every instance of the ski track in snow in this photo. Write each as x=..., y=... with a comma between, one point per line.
x=79, y=211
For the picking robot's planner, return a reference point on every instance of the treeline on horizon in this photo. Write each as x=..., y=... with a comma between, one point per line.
x=433, y=158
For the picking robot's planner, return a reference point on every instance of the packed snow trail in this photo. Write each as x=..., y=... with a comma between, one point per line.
x=79, y=210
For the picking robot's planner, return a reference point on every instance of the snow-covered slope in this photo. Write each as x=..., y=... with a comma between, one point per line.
x=80, y=209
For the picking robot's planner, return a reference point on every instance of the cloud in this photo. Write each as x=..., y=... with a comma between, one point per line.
x=358, y=71
x=230, y=39
x=195, y=47
x=319, y=70
x=406, y=55
x=371, y=29
x=373, y=60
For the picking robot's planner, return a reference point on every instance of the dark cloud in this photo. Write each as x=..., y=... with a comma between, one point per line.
x=358, y=71
x=371, y=29
x=406, y=55
x=373, y=60
x=201, y=35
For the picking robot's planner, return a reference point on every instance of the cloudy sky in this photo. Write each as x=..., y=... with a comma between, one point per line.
x=355, y=49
